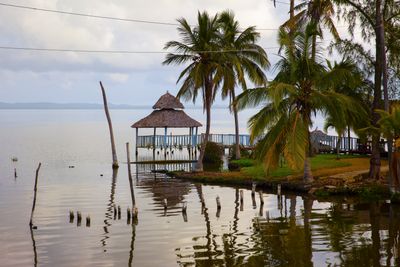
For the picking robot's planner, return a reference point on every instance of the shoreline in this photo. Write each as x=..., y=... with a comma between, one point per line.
x=321, y=187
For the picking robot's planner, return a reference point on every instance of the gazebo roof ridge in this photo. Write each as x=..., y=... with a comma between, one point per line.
x=168, y=101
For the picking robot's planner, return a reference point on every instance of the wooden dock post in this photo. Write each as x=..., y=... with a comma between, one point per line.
x=261, y=198
x=119, y=212
x=130, y=176
x=15, y=173
x=34, y=195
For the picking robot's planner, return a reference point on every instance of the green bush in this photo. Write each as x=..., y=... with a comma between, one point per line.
x=244, y=153
x=213, y=153
x=233, y=166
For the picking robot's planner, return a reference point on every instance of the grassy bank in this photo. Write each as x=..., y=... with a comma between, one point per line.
x=332, y=176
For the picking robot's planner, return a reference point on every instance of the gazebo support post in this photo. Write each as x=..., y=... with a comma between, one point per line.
x=165, y=142
x=136, y=146
x=154, y=144
x=195, y=143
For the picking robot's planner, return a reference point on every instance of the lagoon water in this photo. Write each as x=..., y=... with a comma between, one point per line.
x=288, y=231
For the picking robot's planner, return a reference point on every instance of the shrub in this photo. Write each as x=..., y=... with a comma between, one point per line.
x=233, y=166
x=213, y=153
x=244, y=153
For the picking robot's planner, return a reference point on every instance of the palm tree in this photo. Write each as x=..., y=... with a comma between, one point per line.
x=199, y=49
x=302, y=87
x=353, y=88
x=317, y=13
x=244, y=58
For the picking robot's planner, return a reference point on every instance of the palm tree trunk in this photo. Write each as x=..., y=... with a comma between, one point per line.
x=348, y=138
x=235, y=114
x=314, y=47
x=208, y=100
x=113, y=151
x=291, y=12
x=338, y=146
x=375, y=162
x=308, y=177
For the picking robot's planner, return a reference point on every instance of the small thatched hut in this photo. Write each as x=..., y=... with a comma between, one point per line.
x=168, y=113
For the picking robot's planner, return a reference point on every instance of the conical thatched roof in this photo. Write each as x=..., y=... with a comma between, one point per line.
x=168, y=101
x=165, y=115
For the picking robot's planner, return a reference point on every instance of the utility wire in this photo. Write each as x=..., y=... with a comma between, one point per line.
x=113, y=51
x=103, y=17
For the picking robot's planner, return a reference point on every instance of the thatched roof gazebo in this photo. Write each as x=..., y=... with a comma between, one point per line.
x=168, y=113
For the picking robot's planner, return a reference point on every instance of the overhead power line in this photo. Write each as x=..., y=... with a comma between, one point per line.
x=111, y=51
x=103, y=17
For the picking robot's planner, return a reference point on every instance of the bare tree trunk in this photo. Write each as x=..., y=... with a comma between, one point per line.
x=235, y=114
x=375, y=162
x=386, y=101
x=34, y=195
x=113, y=151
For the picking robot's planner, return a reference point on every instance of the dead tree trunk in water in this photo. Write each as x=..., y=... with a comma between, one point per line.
x=114, y=153
x=34, y=195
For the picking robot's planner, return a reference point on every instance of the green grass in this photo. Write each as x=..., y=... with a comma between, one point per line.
x=256, y=170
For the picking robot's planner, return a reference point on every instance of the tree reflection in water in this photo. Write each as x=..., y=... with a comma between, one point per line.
x=344, y=232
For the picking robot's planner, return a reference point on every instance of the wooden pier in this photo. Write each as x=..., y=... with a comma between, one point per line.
x=188, y=141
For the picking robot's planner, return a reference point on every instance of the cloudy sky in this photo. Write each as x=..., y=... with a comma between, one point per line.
x=137, y=79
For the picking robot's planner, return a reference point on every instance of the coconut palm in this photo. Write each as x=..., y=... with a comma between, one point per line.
x=315, y=12
x=301, y=88
x=244, y=58
x=199, y=50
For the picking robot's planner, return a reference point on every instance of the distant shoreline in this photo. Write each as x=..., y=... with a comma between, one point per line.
x=80, y=106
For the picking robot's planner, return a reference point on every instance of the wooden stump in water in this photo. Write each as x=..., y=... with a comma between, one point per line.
x=78, y=218
x=71, y=216
x=119, y=212
x=88, y=221
x=34, y=195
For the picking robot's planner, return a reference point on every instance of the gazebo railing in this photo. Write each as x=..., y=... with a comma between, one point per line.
x=158, y=141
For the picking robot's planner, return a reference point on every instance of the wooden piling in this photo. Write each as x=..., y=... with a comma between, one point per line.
x=165, y=204
x=115, y=212
x=278, y=190
x=261, y=198
x=71, y=216
x=130, y=175
x=253, y=189
x=78, y=218
x=241, y=196
x=119, y=212
x=15, y=173
x=88, y=221
x=184, y=207
x=34, y=195
x=135, y=213
x=217, y=199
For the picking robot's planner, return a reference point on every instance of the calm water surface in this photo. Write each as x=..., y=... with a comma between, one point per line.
x=287, y=231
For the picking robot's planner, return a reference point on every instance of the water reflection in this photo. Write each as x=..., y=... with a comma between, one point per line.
x=35, y=257
x=110, y=210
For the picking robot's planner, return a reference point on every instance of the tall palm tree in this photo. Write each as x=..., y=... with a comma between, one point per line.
x=199, y=50
x=244, y=58
x=315, y=12
x=302, y=87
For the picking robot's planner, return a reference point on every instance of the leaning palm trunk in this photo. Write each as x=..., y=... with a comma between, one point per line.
x=237, y=145
x=207, y=104
x=235, y=115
